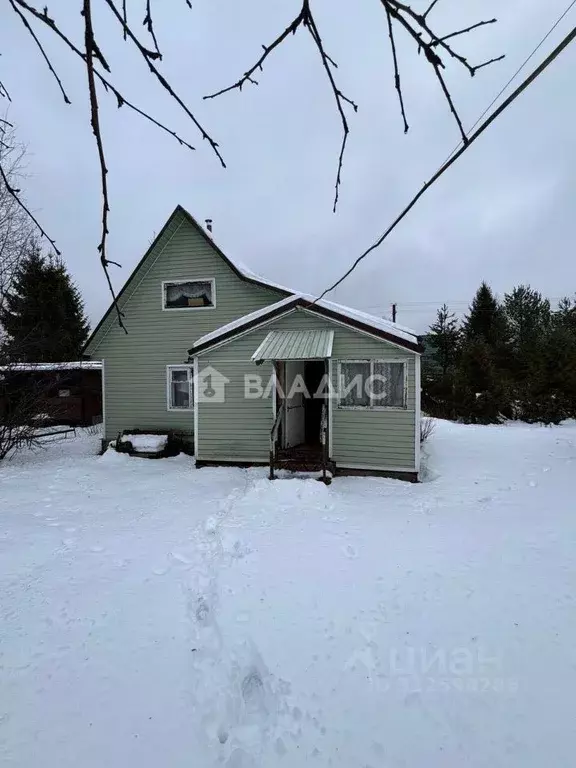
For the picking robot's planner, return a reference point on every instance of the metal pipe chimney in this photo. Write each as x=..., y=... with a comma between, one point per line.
x=209, y=225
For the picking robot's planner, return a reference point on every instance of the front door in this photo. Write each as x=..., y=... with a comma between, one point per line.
x=295, y=417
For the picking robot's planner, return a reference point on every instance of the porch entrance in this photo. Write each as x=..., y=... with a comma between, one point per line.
x=301, y=396
x=299, y=438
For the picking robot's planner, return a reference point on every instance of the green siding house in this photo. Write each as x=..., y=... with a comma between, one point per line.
x=251, y=372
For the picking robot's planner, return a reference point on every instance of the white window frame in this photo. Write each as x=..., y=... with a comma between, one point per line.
x=371, y=362
x=191, y=391
x=211, y=280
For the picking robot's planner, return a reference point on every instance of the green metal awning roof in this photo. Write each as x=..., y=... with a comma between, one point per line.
x=295, y=345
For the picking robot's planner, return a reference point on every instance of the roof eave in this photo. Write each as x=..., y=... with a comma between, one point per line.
x=314, y=307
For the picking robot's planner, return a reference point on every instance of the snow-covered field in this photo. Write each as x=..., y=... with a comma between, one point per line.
x=155, y=615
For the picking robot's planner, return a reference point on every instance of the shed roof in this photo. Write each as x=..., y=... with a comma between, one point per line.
x=79, y=365
x=295, y=345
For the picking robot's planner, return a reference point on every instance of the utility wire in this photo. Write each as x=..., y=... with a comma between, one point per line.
x=518, y=71
x=471, y=139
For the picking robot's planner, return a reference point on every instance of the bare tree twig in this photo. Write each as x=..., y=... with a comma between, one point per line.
x=402, y=13
x=4, y=94
x=396, y=70
x=42, y=51
x=149, y=24
x=450, y=101
x=303, y=19
x=430, y=8
x=125, y=17
x=338, y=95
x=95, y=122
x=397, y=8
x=16, y=195
x=121, y=99
x=247, y=76
x=148, y=57
x=465, y=31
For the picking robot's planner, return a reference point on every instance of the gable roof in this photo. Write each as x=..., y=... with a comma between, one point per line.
x=240, y=270
x=376, y=326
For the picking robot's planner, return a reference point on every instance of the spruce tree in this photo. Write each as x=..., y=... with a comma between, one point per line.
x=43, y=315
x=444, y=339
x=485, y=358
x=438, y=364
x=486, y=319
x=528, y=315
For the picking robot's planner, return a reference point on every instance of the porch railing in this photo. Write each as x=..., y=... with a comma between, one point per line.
x=324, y=439
x=274, y=439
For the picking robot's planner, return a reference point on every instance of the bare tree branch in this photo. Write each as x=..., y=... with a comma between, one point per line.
x=4, y=92
x=468, y=29
x=437, y=48
x=149, y=56
x=338, y=95
x=396, y=69
x=247, y=76
x=303, y=19
x=430, y=8
x=125, y=18
x=397, y=8
x=406, y=17
x=42, y=51
x=95, y=122
x=16, y=195
x=149, y=24
x=121, y=99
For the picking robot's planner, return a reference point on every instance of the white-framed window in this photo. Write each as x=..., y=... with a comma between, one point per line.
x=180, y=387
x=188, y=294
x=372, y=384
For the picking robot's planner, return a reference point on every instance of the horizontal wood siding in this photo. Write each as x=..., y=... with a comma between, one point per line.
x=136, y=363
x=240, y=428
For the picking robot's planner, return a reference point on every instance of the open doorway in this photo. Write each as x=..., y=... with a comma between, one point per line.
x=301, y=397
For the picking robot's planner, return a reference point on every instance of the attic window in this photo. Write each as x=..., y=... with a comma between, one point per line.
x=189, y=294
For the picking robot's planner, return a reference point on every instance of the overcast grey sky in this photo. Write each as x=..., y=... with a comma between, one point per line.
x=504, y=213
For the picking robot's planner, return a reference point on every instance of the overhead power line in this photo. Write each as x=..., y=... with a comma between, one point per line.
x=526, y=61
x=471, y=139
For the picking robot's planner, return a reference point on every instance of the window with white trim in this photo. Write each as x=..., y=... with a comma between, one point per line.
x=180, y=388
x=189, y=294
x=372, y=384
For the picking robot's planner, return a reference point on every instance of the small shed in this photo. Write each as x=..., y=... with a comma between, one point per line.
x=68, y=392
x=309, y=384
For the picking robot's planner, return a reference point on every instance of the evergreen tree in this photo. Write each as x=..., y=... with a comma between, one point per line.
x=481, y=391
x=486, y=319
x=528, y=315
x=442, y=348
x=529, y=318
x=565, y=317
x=444, y=339
x=43, y=315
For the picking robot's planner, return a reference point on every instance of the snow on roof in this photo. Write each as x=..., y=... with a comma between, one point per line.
x=378, y=323
x=251, y=275
x=86, y=365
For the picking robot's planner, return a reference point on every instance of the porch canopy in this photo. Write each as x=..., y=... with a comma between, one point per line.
x=295, y=345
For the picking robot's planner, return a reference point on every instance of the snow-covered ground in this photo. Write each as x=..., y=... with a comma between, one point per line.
x=155, y=615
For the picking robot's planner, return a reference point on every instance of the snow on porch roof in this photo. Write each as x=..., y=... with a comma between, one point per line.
x=397, y=334
x=295, y=345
